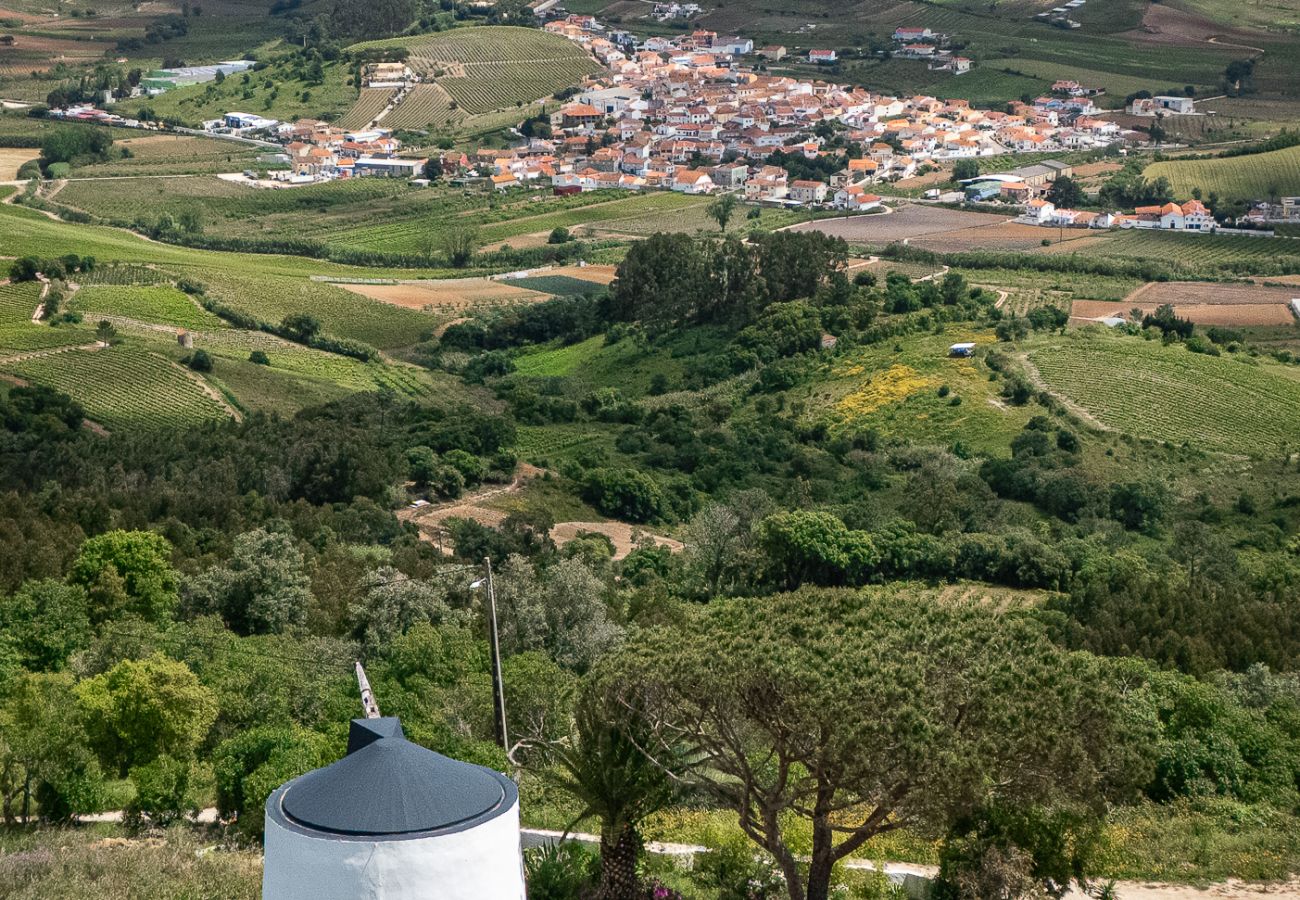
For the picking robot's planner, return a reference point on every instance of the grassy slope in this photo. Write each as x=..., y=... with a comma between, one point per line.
x=266, y=285
x=276, y=92
x=1248, y=177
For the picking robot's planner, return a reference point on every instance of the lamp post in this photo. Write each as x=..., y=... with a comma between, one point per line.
x=498, y=688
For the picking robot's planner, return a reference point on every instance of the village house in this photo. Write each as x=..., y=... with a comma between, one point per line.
x=806, y=191
x=823, y=57
x=855, y=197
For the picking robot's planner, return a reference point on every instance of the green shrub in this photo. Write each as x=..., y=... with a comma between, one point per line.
x=162, y=791
x=560, y=872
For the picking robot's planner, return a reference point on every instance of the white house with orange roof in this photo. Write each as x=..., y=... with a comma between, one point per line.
x=855, y=197
x=692, y=181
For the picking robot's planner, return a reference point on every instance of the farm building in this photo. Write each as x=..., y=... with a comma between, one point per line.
x=238, y=121
x=393, y=168
x=393, y=820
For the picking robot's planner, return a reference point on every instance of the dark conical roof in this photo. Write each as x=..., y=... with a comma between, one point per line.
x=387, y=785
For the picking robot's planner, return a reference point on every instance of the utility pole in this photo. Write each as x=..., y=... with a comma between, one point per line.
x=368, y=704
x=498, y=689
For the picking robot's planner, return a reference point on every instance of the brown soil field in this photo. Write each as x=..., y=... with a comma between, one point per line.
x=1202, y=303
x=519, y=242
x=449, y=294
x=1165, y=25
x=594, y=274
x=11, y=161
x=1002, y=236
x=26, y=17
x=909, y=222
x=57, y=48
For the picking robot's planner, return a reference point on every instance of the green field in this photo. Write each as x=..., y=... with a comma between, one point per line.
x=161, y=305
x=1166, y=393
x=1257, y=176
x=895, y=390
x=267, y=286
x=280, y=91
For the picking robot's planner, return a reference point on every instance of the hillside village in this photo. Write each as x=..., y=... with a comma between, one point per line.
x=691, y=114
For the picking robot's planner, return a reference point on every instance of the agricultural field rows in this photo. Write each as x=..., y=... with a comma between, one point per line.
x=18, y=301
x=1190, y=250
x=426, y=104
x=500, y=85
x=124, y=387
x=1257, y=176
x=341, y=313
x=160, y=305
x=122, y=274
x=482, y=70
x=162, y=154
x=19, y=338
x=1167, y=393
x=370, y=104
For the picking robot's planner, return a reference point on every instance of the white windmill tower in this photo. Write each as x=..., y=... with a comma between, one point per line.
x=393, y=820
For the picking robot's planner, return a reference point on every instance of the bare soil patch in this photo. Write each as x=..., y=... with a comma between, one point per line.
x=1202, y=303
x=594, y=274
x=1165, y=25
x=1002, y=236
x=624, y=537
x=12, y=159
x=448, y=294
x=519, y=242
x=907, y=223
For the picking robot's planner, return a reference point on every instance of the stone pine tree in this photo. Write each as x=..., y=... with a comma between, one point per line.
x=864, y=712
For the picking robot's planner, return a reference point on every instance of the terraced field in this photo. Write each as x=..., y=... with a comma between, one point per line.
x=1254, y=177
x=125, y=387
x=1230, y=404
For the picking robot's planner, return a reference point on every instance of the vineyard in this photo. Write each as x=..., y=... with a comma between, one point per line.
x=121, y=274
x=499, y=85
x=370, y=104
x=1027, y=290
x=18, y=301
x=159, y=154
x=161, y=305
x=1253, y=177
x=15, y=339
x=1195, y=251
x=284, y=357
x=125, y=386
x=1167, y=393
x=341, y=313
x=480, y=70
x=559, y=285
x=426, y=104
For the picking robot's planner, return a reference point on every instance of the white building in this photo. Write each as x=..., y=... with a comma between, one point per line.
x=393, y=821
